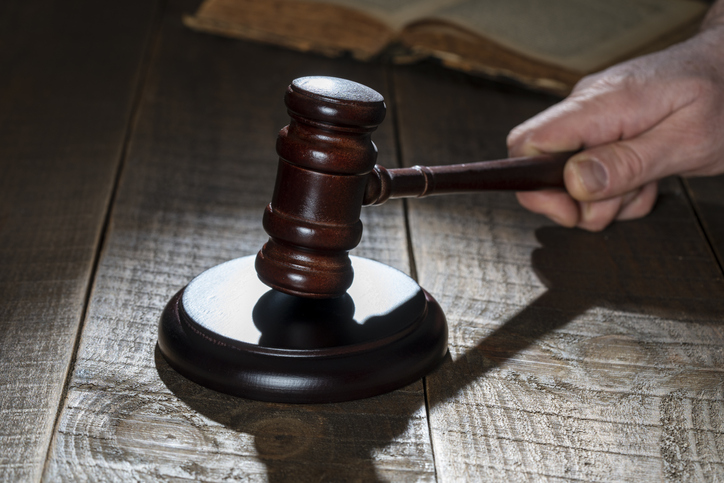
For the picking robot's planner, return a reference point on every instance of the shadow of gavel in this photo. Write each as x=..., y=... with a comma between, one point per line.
x=327, y=172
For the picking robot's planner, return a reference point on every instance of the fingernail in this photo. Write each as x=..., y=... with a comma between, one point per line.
x=593, y=175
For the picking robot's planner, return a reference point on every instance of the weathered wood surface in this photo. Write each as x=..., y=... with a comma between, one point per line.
x=199, y=172
x=708, y=197
x=575, y=356
x=68, y=73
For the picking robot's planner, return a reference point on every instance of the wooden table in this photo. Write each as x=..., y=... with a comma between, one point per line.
x=135, y=154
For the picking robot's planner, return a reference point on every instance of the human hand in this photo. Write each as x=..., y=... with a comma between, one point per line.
x=636, y=122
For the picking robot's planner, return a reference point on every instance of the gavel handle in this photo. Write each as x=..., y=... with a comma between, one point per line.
x=517, y=174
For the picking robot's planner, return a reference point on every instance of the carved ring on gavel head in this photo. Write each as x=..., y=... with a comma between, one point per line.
x=322, y=333
x=327, y=172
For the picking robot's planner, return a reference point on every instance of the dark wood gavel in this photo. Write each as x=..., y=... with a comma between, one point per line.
x=372, y=334
x=327, y=172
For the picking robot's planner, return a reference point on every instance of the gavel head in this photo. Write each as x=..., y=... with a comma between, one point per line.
x=325, y=155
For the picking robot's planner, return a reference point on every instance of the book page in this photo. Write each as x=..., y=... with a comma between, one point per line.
x=580, y=35
x=396, y=13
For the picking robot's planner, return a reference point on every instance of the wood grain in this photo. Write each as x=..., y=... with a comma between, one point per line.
x=707, y=195
x=575, y=356
x=69, y=73
x=200, y=171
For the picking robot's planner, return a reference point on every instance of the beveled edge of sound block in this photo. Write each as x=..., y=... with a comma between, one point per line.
x=351, y=363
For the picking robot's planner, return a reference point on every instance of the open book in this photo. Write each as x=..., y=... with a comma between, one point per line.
x=548, y=44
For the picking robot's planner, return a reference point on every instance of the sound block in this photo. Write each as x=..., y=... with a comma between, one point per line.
x=228, y=331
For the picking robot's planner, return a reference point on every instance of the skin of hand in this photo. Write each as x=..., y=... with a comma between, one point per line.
x=636, y=122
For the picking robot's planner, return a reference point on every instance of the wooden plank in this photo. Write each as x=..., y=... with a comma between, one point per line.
x=69, y=73
x=575, y=356
x=200, y=171
x=707, y=195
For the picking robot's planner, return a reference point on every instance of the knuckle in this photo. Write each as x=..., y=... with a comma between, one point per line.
x=698, y=91
x=597, y=215
x=640, y=205
x=515, y=136
x=595, y=225
x=620, y=79
x=629, y=163
x=541, y=132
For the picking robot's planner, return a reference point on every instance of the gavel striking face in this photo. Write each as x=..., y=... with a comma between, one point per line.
x=327, y=172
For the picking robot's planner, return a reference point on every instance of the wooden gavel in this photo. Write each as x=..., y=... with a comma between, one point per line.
x=375, y=332
x=327, y=172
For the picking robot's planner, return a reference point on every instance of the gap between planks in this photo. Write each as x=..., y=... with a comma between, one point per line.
x=141, y=78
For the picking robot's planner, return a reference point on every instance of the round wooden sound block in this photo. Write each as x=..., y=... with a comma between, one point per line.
x=228, y=331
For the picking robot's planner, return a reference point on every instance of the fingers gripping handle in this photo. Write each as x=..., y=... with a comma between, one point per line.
x=516, y=174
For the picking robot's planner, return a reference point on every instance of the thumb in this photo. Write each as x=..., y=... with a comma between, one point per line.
x=617, y=168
